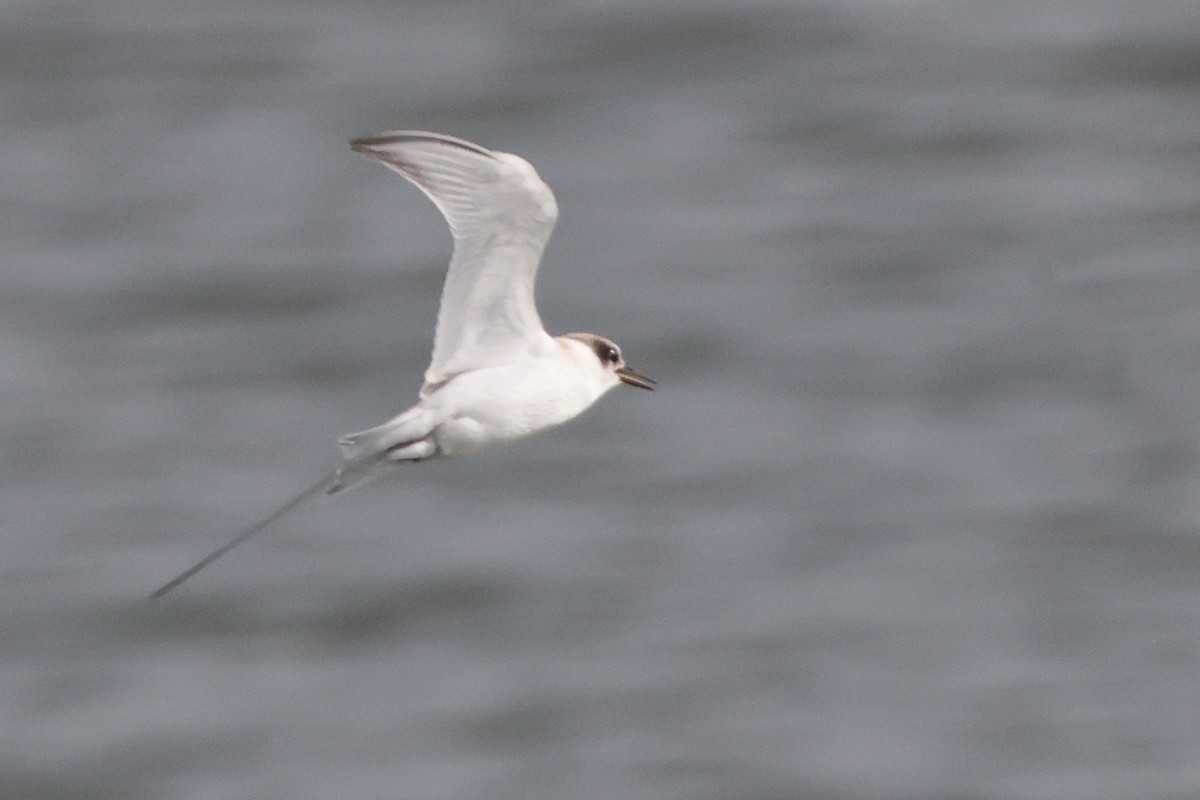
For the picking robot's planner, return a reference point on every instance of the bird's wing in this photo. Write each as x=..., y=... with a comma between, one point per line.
x=501, y=215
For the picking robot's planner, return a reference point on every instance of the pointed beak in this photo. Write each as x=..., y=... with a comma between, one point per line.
x=632, y=377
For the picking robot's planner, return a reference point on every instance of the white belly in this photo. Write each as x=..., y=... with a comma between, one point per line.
x=501, y=404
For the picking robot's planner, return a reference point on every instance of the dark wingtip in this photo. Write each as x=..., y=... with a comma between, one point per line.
x=368, y=144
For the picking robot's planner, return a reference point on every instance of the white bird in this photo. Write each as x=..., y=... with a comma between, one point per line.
x=496, y=375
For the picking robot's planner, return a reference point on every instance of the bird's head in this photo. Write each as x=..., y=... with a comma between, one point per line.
x=611, y=362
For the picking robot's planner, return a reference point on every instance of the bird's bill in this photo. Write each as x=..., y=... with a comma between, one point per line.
x=632, y=377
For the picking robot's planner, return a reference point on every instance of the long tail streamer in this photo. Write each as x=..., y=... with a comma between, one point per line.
x=329, y=484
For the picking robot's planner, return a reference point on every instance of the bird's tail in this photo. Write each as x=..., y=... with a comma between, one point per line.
x=402, y=438
x=367, y=454
x=347, y=476
x=354, y=473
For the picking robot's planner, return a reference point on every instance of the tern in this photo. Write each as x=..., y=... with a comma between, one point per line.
x=496, y=375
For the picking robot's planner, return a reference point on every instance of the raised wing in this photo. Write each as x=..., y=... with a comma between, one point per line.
x=501, y=215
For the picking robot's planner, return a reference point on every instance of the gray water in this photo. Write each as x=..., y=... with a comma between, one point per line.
x=914, y=513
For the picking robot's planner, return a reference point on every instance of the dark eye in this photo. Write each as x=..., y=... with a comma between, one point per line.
x=608, y=354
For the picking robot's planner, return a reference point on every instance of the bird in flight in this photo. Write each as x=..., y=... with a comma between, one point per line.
x=496, y=375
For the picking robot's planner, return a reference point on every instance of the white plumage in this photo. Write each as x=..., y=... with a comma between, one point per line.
x=495, y=374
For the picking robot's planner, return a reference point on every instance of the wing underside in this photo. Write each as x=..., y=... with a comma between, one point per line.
x=501, y=215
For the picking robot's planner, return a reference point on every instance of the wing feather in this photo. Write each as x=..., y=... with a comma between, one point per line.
x=501, y=215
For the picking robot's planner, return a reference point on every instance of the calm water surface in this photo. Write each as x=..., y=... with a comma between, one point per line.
x=913, y=514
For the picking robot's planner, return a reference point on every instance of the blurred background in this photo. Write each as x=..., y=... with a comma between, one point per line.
x=912, y=515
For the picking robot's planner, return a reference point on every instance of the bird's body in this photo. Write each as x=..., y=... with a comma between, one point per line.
x=495, y=375
x=488, y=406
